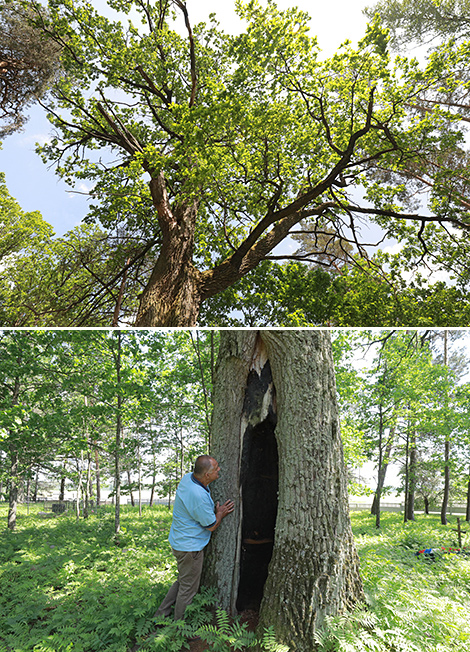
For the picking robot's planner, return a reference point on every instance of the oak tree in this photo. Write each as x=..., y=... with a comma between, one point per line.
x=288, y=549
x=213, y=148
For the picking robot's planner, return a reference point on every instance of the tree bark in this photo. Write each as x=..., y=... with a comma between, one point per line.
x=14, y=467
x=276, y=436
x=172, y=295
x=131, y=493
x=383, y=466
x=413, y=453
x=426, y=505
x=446, y=492
x=13, y=499
x=117, y=443
x=467, y=511
x=97, y=475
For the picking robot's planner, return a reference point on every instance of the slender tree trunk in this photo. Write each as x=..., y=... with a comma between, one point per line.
x=117, y=452
x=412, y=477
x=28, y=487
x=117, y=474
x=14, y=478
x=378, y=493
x=407, y=476
x=446, y=492
x=426, y=505
x=97, y=475
x=88, y=486
x=79, y=486
x=129, y=482
x=140, y=484
x=382, y=474
x=287, y=549
x=88, y=471
x=62, y=483
x=181, y=452
x=14, y=467
x=36, y=484
x=154, y=479
x=467, y=512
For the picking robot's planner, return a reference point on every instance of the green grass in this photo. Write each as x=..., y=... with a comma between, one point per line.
x=412, y=604
x=67, y=581
x=66, y=585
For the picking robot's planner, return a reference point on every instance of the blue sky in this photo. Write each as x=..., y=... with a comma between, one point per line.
x=36, y=187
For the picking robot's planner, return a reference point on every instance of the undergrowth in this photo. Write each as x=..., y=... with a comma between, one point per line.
x=412, y=604
x=70, y=586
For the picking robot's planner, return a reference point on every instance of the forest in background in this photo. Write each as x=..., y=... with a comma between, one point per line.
x=108, y=413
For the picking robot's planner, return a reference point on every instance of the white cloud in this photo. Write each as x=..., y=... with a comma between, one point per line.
x=33, y=139
x=83, y=187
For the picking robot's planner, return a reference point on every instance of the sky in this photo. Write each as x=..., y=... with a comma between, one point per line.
x=36, y=187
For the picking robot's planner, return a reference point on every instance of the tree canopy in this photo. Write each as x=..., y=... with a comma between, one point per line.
x=423, y=20
x=206, y=150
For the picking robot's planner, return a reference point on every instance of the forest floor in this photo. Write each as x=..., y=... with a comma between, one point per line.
x=69, y=586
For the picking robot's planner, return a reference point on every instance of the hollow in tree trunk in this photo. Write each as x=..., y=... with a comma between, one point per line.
x=287, y=550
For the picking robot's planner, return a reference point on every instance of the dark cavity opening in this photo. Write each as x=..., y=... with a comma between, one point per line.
x=259, y=482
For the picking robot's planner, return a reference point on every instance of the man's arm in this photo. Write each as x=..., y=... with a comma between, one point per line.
x=221, y=511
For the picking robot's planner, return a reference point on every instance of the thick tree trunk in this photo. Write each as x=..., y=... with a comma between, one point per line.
x=172, y=296
x=288, y=548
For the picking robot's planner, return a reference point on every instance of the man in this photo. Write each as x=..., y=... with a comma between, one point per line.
x=194, y=520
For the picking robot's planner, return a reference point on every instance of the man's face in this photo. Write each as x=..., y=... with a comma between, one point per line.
x=213, y=474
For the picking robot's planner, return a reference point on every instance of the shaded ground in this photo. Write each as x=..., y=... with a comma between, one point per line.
x=249, y=617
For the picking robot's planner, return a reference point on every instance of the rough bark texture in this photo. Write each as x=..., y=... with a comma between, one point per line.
x=223, y=556
x=314, y=570
x=172, y=296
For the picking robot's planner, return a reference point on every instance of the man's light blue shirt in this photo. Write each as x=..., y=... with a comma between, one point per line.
x=193, y=513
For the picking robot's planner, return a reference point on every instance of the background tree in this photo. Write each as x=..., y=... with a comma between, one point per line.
x=29, y=64
x=28, y=391
x=423, y=21
x=276, y=437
